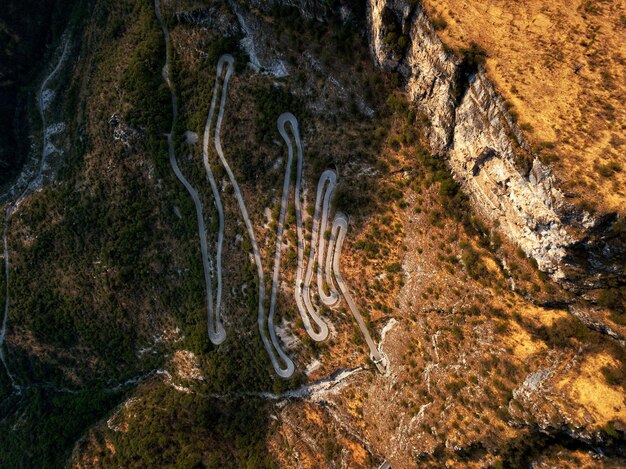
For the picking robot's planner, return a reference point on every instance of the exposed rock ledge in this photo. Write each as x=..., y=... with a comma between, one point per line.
x=470, y=125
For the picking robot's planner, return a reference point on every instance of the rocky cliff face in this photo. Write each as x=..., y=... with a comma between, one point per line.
x=482, y=157
x=472, y=128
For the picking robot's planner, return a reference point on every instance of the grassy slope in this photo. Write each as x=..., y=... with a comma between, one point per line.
x=95, y=282
x=102, y=267
x=26, y=29
x=240, y=363
x=561, y=66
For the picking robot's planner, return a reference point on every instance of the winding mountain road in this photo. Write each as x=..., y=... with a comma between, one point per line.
x=303, y=300
x=32, y=184
x=6, y=301
x=338, y=235
x=281, y=224
x=217, y=334
x=271, y=345
x=215, y=322
x=282, y=363
x=328, y=261
x=216, y=331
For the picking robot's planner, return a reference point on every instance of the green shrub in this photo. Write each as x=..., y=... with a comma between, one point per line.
x=393, y=36
x=439, y=23
x=526, y=127
x=473, y=263
x=615, y=376
x=394, y=267
x=613, y=299
x=448, y=187
x=473, y=56
x=609, y=169
x=270, y=103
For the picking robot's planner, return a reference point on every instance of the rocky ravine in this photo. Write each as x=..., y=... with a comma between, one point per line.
x=472, y=128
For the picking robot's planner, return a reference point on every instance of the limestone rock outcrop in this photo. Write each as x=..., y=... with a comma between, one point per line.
x=471, y=127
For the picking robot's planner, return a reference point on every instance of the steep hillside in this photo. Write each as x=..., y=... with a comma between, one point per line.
x=298, y=234
x=561, y=68
x=472, y=126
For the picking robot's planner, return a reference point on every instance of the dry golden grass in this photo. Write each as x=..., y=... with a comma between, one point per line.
x=524, y=345
x=561, y=65
x=491, y=265
x=587, y=387
x=313, y=415
x=543, y=316
x=354, y=407
x=358, y=454
x=301, y=436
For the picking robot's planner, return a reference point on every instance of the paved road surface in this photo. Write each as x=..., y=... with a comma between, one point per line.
x=328, y=261
x=283, y=365
x=340, y=227
x=286, y=369
x=281, y=223
x=214, y=326
x=216, y=331
x=302, y=295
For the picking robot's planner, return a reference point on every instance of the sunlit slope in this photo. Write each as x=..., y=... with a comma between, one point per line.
x=560, y=65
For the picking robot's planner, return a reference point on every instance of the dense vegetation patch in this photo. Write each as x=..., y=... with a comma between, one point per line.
x=26, y=28
x=392, y=27
x=187, y=430
x=49, y=423
x=149, y=95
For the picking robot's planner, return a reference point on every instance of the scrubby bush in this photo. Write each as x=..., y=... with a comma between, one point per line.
x=439, y=23
x=142, y=80
x=607, y=170
x=393, y=36
x=270, y=103
x=615, y=376
x=473, y=263
x=473, y=56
